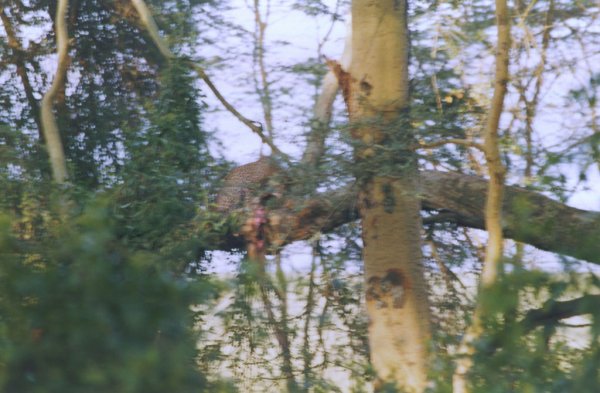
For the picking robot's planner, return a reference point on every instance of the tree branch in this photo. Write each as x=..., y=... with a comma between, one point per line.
x=447, y=273
x=529, y=217
x=256, y=127
x=493, y=206
x=150, y=26
x=554, y=311
x=550, y=314
x=147, y=22
x=461, y=142
x=17, y=49
x=263, y=88
x=315, y=146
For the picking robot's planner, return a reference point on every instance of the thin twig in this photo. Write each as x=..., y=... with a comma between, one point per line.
x=262, y=88
x=461, y=142
x=256, y=127
x=448, y=274
x=307, y=355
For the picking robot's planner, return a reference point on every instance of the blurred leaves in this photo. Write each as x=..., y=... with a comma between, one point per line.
x=80, y=312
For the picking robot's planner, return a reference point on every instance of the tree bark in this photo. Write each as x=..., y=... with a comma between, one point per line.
x=315, y=146
x=493, y=205
x=50, y=128
x=528, y=217
x=396, y=293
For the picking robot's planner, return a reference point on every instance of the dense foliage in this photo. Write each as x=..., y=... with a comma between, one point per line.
x=79, y=312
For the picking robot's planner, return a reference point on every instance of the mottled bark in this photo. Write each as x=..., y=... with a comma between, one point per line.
x=396, y=293
x=528, y=216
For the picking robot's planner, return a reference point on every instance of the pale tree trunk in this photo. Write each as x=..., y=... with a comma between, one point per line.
x=396, y=292
x=493, y=206
x=49, y=126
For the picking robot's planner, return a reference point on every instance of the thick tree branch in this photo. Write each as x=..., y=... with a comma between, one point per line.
x=554, y=311
x=529, y=217
x=550, y=315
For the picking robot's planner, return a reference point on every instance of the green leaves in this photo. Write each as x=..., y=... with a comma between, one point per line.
x=527, y=347
x=79, y=312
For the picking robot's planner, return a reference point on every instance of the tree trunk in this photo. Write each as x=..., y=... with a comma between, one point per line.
x=493, y=205
x=396, y=292
x=49, y=126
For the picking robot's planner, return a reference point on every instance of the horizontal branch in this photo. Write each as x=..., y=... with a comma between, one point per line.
x=529, y=217
x=555, y=311
x=549, y=315
x=460, y=142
